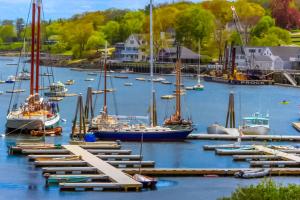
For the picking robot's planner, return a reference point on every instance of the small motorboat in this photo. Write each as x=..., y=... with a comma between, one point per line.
x=1, y=92
x=168, y=96
x=15, y=91
x=23, y=76
x=160, y=79
x=257, y=124
x=198, y=86
x=56, y=98
x=11, y=79
x=70, y=82
x=253, y=173
x=64, y=120
x=52, y=132
x=166, y=82
x=47, y=74
x=92, y=74
x=148, y=182
x=97, y=91
x=140, y=79
x=89, y=79
x=1, y=81
x=122, y=77
x=128, y=84
x=189, y=88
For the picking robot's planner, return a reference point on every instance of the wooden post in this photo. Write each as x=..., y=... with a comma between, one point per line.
x=230, y=117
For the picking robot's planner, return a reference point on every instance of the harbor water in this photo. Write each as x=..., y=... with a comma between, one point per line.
x=20, y=180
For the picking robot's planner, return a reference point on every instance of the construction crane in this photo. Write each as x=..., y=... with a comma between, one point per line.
x=239, y=29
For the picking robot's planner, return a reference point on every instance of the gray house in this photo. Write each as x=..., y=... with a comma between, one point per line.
x=130, y=50
x=269, y=58
x=170, y=54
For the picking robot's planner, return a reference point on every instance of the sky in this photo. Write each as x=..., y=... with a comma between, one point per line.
x=12, y=9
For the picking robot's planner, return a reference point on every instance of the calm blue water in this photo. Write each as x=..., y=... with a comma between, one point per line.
x=20, y=180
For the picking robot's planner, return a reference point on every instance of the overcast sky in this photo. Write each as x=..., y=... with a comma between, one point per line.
x=12, y=9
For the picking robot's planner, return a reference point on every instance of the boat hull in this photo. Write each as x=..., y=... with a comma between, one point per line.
x=257, y=130
x=237, y=82
x=27, y=125
x=216, y=129
x=173, y=135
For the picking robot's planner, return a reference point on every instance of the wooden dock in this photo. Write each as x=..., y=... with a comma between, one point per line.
x=274, y=138
x=281, y=154
x=117, y=177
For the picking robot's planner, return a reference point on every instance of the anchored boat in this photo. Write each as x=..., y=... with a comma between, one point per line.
x=36, y=113
x=257, y=124
x=57, y=90
x=107, y=127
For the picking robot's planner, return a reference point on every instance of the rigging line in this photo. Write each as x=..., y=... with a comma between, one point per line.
x=50, y=56
x=20, y=54
x=114, y=96
x=99, y=82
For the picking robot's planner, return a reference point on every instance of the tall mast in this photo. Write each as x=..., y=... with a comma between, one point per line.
x=32, y=48
x=199, y=63
x=38, y=45
x=152, y=115
x=178, y=83
x=105, y=86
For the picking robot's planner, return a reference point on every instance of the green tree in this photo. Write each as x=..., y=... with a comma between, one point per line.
x=264, y=24
x=133, y=22
x=96, y=41
x=194, y=24
x=8, y=33
x=111, y=31
x=267, y=189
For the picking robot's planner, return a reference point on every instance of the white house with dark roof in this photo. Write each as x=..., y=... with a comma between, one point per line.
x=269, y=58
x=130, y=50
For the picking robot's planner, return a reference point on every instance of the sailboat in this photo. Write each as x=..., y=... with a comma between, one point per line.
x=199, y=86
x=108, y=127
x=176, y=121
x=35, y=113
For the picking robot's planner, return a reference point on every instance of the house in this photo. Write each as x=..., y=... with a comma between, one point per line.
x=269, y=58
x=130, y=50
x=170, y=55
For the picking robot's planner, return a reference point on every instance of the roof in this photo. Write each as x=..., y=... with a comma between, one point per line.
x=263, y=58
x=285, y=53
x=185, y=53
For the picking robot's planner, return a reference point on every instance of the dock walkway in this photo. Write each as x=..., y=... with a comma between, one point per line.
x=281, y=154
x=116, y=175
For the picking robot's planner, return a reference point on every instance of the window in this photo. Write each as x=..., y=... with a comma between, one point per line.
x=131, y=41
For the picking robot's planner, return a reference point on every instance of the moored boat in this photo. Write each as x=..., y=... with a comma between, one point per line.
x=70, y=82
x=257, y=124
x=36, y=113
x=252, y=173
x=57, y=90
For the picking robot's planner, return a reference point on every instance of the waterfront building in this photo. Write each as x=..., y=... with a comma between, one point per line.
x=131, y=49
x=168, y=55
x=269, y=58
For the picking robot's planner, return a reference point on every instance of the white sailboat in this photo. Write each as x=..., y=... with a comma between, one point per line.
x=35, y=113
x=199, y=86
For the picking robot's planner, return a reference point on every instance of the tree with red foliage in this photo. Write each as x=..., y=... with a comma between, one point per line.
x=286, y=16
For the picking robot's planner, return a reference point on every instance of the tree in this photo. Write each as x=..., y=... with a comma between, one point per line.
x=111, y=31
x=77, y=36
x=7, y=33
x=222, y=12
x=133, y=22
x=285, y=15
x=275, y=36
x=267, y=189
x=249, y=14
x=263, y=26
x=194, y=24
x=96, y=41
x=19, y=27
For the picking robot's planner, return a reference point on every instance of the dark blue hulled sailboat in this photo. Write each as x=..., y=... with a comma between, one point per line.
x=107, y=127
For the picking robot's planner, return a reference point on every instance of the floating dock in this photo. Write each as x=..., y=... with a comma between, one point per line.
x=274, y=138
x=85, y=166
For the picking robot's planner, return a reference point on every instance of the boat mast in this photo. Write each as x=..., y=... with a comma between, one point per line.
x=105, y=86
x=178, y=83
x=153, y=121
x=32, y=48
x=38, y=45
x=199, y=63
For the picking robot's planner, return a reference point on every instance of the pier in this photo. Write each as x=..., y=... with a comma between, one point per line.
x=85, y=166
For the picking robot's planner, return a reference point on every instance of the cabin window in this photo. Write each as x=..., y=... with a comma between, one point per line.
x=131, y=41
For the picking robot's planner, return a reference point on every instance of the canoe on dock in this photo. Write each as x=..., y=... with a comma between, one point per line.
x=253, y=173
